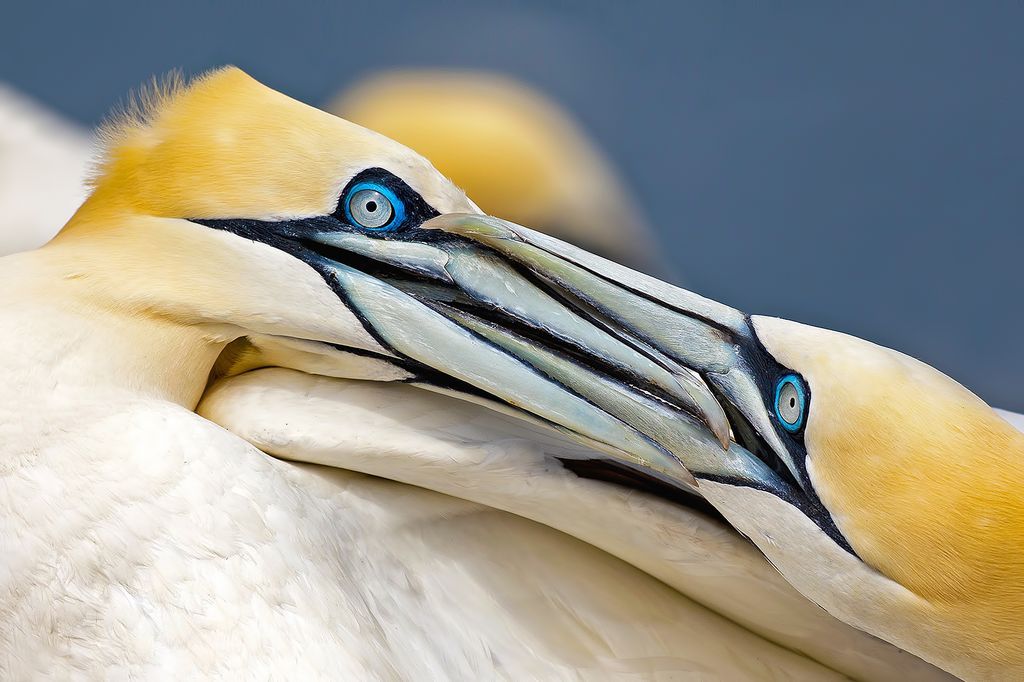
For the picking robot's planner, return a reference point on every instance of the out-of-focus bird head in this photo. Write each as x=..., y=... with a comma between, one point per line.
x=515, y=151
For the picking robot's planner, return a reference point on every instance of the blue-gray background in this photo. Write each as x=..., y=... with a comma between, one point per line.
x=858, y=166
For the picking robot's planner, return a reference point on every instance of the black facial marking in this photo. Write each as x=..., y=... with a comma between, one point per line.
x=278, y=233
x=295, y=237
x=766, y=372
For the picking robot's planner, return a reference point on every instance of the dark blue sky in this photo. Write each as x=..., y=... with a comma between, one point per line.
x=858, y=166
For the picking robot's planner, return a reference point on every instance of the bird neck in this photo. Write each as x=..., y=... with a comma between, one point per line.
x=66, y=333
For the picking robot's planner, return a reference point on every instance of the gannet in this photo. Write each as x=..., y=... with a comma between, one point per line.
x=880, y=488
x=228, y=228
x=517, y=152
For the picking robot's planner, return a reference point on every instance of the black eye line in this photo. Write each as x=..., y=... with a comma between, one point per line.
x=417, y=210
x=768, y=372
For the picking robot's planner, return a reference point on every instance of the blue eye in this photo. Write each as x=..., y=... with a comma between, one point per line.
x=791, y=402
x=373, y=206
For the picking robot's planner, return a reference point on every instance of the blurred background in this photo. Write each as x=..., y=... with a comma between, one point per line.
x=858, y=166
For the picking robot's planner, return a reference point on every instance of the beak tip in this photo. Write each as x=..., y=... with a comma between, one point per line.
x=717, y=422
x=722, y=433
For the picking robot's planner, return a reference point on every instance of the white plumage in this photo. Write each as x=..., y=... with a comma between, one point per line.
x=471, y=452
x=43, y=162
x=142, y=540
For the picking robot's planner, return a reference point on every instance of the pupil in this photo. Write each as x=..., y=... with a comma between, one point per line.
x=792, y=402
x=371, y=206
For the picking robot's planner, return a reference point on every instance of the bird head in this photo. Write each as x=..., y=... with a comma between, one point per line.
x=282, y=235
x=923, y=477
x=881, y=488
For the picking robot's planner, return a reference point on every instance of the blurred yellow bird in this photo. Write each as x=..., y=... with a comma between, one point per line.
x=515, y=151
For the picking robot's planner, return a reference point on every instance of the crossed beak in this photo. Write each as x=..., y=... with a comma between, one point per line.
x=652, y=376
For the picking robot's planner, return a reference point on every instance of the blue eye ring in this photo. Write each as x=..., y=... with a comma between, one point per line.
x=789, y=399
x=397, y=207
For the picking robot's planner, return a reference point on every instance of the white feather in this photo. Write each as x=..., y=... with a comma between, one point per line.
x=467, y=451
x=43, y=162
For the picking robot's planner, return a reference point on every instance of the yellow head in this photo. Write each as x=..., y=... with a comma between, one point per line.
x=206, y=210
x=922, y=477
x=228, y=146
x=247, y=229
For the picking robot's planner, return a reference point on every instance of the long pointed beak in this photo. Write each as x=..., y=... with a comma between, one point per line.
x=677, y=329
x=495, y=332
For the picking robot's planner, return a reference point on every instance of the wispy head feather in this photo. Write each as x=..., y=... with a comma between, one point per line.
x=223, y=145
x=130, y=120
